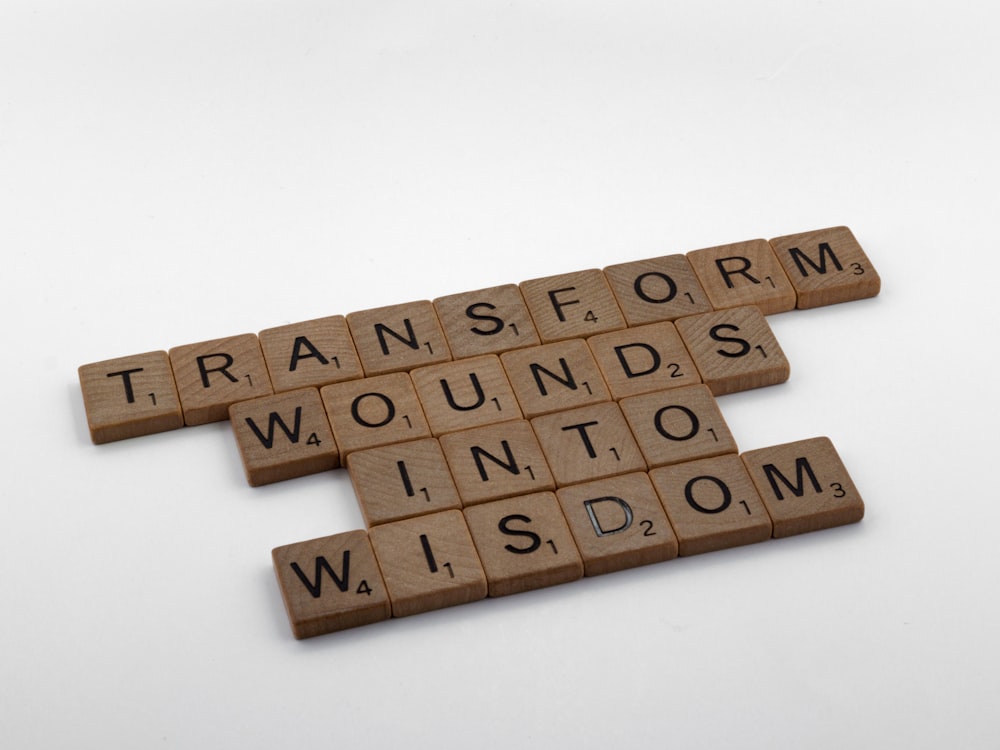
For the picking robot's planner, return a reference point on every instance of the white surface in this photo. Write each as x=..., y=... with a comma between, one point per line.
x=175, y=172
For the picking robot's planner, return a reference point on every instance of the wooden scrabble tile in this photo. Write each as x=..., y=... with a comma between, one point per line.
x=555, y=377
x=487, y=321
x=735, y=349
x=524, y=543
x=712, y=504
x=656, y=289
x=283, y=436
x=618, y=523
x=398, y=337
x=402, y=480
x=677, y=425
x=643, y=359
x=572, y=305
x=743, y=273
x=330, y=584
x=804, y=486
x=311, y=353
x=374, y=411
x=428, y=562
x=211, y=375
x=588, y=443
x=826, y=266
x=496, y=461
x=130, y=396
x=465, y=393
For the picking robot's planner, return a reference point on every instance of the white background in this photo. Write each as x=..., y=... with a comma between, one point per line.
x=178, y=171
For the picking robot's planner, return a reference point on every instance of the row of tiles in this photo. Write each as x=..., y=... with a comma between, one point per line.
x=529, y=541
x=141, y=394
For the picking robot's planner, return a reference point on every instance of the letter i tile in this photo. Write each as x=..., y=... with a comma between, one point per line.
x=712, y=504
x=330, y=584
x=524, y=543
x=428, y=562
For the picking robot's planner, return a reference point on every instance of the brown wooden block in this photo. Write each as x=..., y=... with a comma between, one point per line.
x=402, y=480
x=398, y=337
x=643, y=359
x=428, y=562
x=555, y=377
x=524, y=543
x=311, y=353
x=487, y=321
x=804, y=486
x=826, y=266
x=712, y=504
x=656, y=289
x=212, y=375
x=330, y=584
x=735, y=350
x=465, y=393
x=496, y=461
x=283, y=436
x=678, y=425
x=743, y=273
x=130, y=396
x=374, y=411
x=572, y=305
x=588, y=443
x=618, y=523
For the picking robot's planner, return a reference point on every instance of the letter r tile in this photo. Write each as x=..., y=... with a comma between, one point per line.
x=743, y=273
x=804, y=486
x=130, y=396
x=330, y=584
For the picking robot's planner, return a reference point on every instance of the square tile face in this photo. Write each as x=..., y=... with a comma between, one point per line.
x=487, y=321
x=618, y=523
x=396, y=338
x=464, y=394
x=555, y=377
x=428, y=562
x=211, y=375
x=524, y=543
x=311, y=353
x=572, y=305
x=130, y=396
x=497, y=461
x=283, y=436
x=588, y=443
x=330, y=584
x=743, y=273
x=402, y=480
x=374, y=411
x=712, y=504
x=678, y=425
x=656, y=289
x=826, y=266
x=735, y=350
x=804, y=486
x=643, y=359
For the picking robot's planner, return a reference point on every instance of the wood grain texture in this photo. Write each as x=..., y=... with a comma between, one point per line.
x=643, y=359
x=212, y=375
x=572, y=305
x=743, y=273
x=330, y=584
x=555, y=377
x=428, y=563
x=311, y=353
x=129, y=397
x=735, y=350
x=486, y=321
x=465, y=393
x=398, y=338
x=283, y=436
x=805, y=486
x=618, y=523
x=657, y=289
x=826, y=267
x=524, y=543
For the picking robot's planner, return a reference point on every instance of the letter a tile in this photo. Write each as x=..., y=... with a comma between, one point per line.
x=429, y=562
x=804, y=486
x=330, y=584
x=311, y=353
